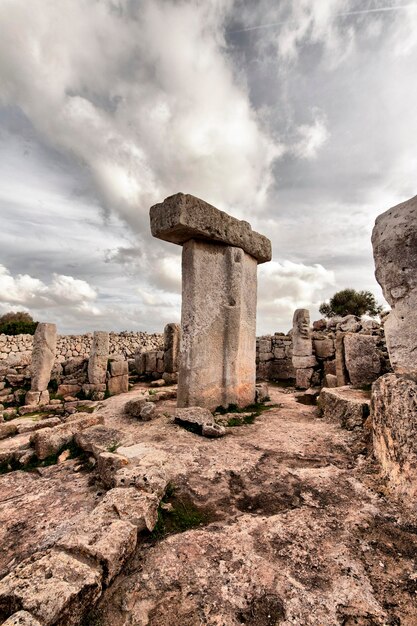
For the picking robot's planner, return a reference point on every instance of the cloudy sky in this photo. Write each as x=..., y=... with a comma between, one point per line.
x=299, y=117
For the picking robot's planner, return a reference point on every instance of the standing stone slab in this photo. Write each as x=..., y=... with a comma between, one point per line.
x=99, y=355
x=43, y=357
x=172, y=336
x=362, y=359
x=303, y=359
x=394, y=240
x=218, y=346
x=218, y=327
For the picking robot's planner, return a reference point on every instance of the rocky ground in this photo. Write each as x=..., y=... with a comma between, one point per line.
x=282, y=521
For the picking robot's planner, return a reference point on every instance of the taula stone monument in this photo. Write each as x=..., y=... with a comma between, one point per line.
x=394, y=396
x=219, y=290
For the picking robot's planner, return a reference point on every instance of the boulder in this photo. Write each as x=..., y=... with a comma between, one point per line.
x=50, y=441
x=261, y=393
x=118, y=384
x=148, y=412
x=109, y=542
x=108, y=463
x=324, y=348
x=135, y=406
x=21, y=618
x=130, y=505
x=98, y=439
x=394, y=426
x=56, y=588
x=362, y=359
x=198, y=420
x=349, y=324
x=394, y=241
x=347, y=406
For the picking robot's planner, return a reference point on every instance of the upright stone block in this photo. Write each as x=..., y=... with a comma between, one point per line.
x=302, y=342
x=218, y=358
x=394, y=241
x=218, y=329
x=43, y=357
x=172, y=336
x=99, y=355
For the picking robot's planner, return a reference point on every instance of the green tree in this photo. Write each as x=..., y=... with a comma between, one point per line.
x=17, y=323
x=351, y=302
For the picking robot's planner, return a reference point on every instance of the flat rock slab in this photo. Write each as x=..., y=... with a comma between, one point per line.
x=200, y=421
x=350, y=407
x=183, y=217
x=21, y=618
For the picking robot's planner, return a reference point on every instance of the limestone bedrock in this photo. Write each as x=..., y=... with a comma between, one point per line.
x=182, y=217
x=219, y=284
x=394, y=241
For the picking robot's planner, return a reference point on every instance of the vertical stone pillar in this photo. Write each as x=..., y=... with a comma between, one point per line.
x=99, y=356
x=172, y=336
x=218, y=347
x=218, y=325
x=43, y=357
x=303, y=359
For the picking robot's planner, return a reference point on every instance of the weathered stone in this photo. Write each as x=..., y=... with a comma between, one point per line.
x=118, y=384
x=301, y=334
x=43, y=356
x=130, y=505
x=119, y=368
x=303, y=377
x=108, y=464
x=50, y=441
x=349, y=324
x=330, y=380
x=301, y=362
x=35, y=398
x=26, y=425
x=320, y=324
x=98, y=439
x=394, y=425
x=341, y=372
x=148, y=412
x=198, y=420
x=308, y=397
x=323, y=348
x=135, y=406
x=348, y=406
x=108, y=542
x=217, y=365
x=21, y=618
x=97, y=363
x=55, y=587
x=68, y=390
x=160, y=382
x=140, y=363
x=170, y=379
x=7, y=430
x=330, y=367
x=262, y=393
x=281, y=370
x=362, y=359
x=172, y=336
x=150, y=478
x=394, y=240
x=183, y=217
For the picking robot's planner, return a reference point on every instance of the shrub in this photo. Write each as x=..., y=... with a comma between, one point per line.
x=351, y=302
x=18, y=323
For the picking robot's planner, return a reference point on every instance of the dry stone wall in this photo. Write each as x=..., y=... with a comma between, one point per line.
x=18, y=347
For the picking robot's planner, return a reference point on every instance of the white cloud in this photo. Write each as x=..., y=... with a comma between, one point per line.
x=33, y=294
x=141, y=93
x=311, y=138
x=286, y=286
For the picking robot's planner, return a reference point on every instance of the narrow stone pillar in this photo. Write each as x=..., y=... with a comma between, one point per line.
x=172, y=336
x=218, y=323
x=43, y=357
x=303, y=359
x=99, y=356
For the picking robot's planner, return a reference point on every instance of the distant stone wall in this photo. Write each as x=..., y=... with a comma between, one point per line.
x=17, y=347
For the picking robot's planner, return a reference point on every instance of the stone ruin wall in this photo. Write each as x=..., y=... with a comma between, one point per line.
x=274, y=352
x=69, y=346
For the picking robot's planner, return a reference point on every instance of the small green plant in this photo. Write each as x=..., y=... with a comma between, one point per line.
x=182, y=515
x=113, y=446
